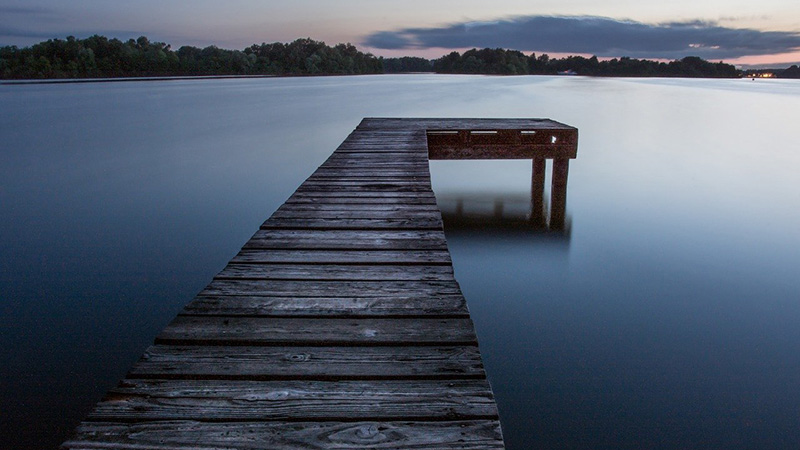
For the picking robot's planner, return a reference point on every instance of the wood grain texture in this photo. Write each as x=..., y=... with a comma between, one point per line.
x=393, y=189
x=220, y=400
x=188, y=330
x=301, y=198
x=384, y=194
x=401, y=305
x=336, y=272
x=358, y=211
x=333, y=288
x=353, y=224
x=383, y=182
x=371, y=175
x=347, y=240
x=404, y=257
x=361, y=435
x=308, y=363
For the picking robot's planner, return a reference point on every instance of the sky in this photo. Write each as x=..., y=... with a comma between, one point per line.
x=742, y=32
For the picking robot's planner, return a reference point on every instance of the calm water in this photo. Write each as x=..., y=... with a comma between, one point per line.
x=665, y=318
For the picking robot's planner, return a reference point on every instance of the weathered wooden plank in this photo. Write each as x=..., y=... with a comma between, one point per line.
x=220, y=400
x=383, y=132
x=376, y=164
x=405, y=257
x=383, y=149
x=379, y=136
x=451, y=305
x=390, y=140
x=378, y=149
x=358, y=200
x=180, y=435
x=335, y=272
x=365, y=188
x=369, y=175
x=314, y=288
x=365, y=161
x=381, y=145
x=363, y=211
x=391, y=137
x=198, y=330
x=388, y=195
x=374, y=176
x=503, y=152
x=380, y=210
x=385, y=143
x=321, y=223
x=382, y=183
x=304, y=363
x=408, y=179
x=394, y=189
x=377, y=153
x=372, y=166
x=379, y=219
x=348, y=240
x=358, y=171
x=364, y=148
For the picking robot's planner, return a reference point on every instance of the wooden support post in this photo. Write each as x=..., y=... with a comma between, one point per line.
x=538, y=218
x=498, y=209
x=558, y=202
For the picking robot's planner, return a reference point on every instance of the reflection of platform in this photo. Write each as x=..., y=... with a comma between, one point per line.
x=496, y=214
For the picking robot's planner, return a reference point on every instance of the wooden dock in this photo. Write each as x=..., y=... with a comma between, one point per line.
x=339, y=324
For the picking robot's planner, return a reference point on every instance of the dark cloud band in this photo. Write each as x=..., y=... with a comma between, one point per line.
x=601, y=36
x=25, y=10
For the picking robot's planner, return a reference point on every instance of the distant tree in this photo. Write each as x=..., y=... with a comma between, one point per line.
x=97, y=56
x=508, y=62
x=450, y=63
x=406, y=64
x=791, y=72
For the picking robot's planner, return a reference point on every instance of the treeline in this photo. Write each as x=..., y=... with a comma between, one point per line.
x=100, y=57
x=512, y=62
x=791, y=72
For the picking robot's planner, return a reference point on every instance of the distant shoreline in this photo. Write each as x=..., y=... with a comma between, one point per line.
x=226, y=77
x=125, y=79
x=100, y=59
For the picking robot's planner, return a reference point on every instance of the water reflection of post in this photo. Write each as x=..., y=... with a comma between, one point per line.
x=558, y=201
x=538, y=217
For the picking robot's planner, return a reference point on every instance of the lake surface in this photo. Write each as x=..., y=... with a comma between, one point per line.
x=665, y=317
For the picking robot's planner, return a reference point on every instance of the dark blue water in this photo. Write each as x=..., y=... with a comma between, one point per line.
x=666, y=317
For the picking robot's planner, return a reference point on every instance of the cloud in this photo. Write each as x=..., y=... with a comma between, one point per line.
x=23, y=23
x=18, y=32
x=25, y=10
x=23, y=38
x=601, y=36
